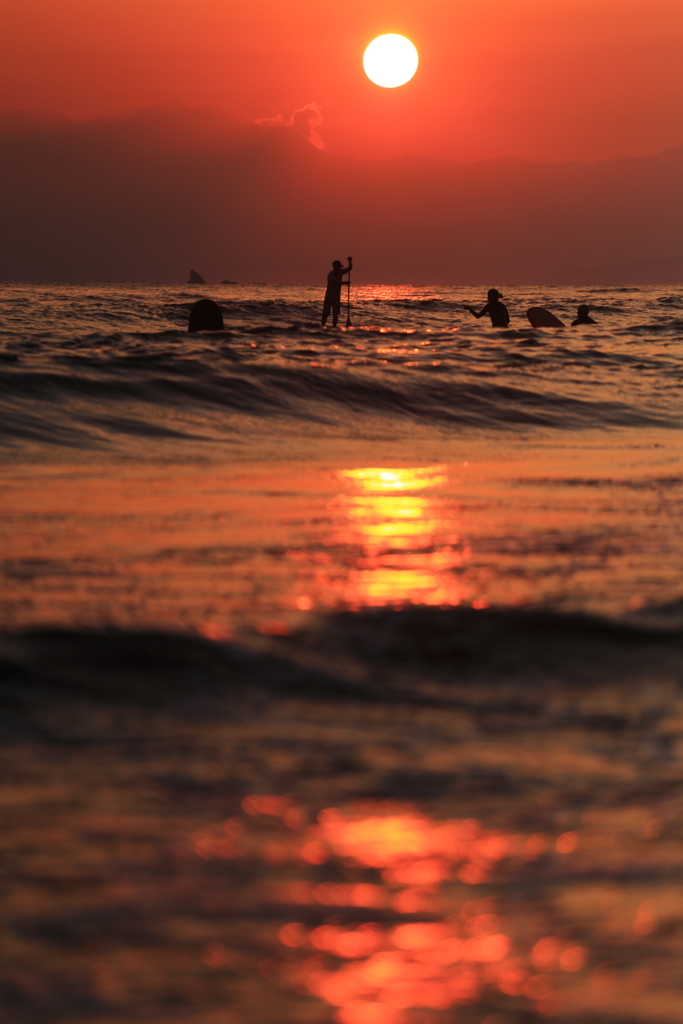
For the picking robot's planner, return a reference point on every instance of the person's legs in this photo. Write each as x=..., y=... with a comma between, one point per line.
x=327, y=306
x=336, y=310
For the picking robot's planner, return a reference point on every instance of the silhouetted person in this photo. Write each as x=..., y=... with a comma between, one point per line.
x=205, y=315
x=494, y=308
x=582, y=316
x=332, y=301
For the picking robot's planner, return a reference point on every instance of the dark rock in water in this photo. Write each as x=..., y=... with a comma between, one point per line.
x=229, y=282
x=196, y=278
x=205, y=315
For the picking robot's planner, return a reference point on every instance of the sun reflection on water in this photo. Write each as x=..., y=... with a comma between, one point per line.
x=394, y=292
x=408, y=547
x=395, y=479
x=399, y=925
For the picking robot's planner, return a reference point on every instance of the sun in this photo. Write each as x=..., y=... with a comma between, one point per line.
x=390, y=61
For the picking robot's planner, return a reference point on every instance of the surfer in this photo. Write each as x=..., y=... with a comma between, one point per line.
x=582, y=316
x=494, y=308
x=332, y=303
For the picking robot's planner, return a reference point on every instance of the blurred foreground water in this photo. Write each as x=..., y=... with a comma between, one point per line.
x=421, y=815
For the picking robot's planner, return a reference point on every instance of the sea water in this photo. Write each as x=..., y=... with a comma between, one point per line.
x=155, y=477
x=342, y=667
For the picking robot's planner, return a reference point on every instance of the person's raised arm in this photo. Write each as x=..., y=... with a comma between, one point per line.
x=350, y=266
x=474, y=312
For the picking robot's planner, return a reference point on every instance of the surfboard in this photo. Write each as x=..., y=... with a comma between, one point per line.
x=541, y=317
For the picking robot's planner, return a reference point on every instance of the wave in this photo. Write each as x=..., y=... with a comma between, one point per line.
x=342, y=656
x=125, y=394
x=602, y=291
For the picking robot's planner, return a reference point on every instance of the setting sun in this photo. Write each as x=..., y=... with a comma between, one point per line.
x=390, y=61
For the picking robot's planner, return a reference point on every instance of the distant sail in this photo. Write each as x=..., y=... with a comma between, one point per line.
x=196, y=278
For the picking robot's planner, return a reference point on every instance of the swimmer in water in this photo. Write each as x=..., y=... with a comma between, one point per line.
x=582, y=316
x=494, y=308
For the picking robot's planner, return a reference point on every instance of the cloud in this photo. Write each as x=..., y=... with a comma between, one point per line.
x=306, y=120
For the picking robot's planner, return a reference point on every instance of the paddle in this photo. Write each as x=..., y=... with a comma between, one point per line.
x=348, y=297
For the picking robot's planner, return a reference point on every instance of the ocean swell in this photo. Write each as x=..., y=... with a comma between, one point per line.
x=61, y=402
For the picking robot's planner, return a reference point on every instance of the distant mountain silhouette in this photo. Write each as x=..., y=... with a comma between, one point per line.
x=21, y=122
x=135, y=199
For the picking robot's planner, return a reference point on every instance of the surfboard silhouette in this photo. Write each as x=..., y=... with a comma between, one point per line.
x=539, y=316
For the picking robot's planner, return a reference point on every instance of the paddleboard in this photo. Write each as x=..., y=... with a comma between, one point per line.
x=541, y=317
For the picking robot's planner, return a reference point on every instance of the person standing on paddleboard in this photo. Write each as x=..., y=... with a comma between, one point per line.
x=495, y=309
x=332, y=303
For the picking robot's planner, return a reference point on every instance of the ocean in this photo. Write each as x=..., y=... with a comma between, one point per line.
x=341, y=669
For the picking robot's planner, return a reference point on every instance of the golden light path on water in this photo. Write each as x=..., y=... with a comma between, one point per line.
x=407, y=549
x=406, y=929
x=217, y=547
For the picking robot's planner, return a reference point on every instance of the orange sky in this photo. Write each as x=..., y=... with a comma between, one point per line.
x=543, y=79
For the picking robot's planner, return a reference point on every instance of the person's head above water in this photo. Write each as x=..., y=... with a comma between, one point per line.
x=337, y=263
x=205, y=315
x=582, y=316
x=493, y=295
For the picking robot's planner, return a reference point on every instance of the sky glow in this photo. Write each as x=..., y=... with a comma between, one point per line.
x=568, y=80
